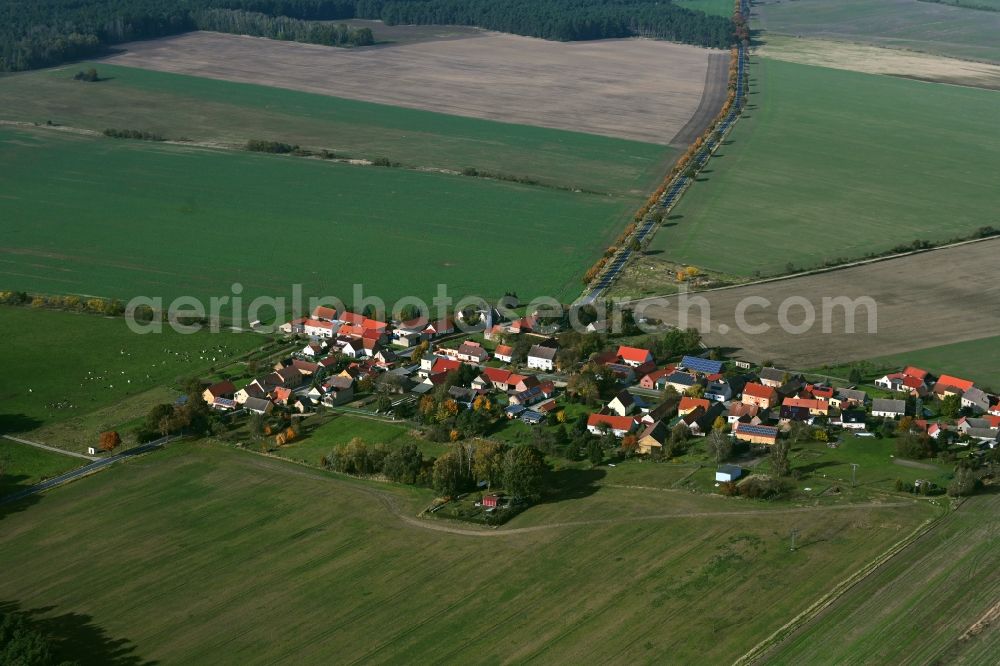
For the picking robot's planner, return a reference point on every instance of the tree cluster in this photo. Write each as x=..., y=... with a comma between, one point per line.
x=285, y=28
x=141, y=135
x=22, y=643
x=101, y=306
x=520, y=470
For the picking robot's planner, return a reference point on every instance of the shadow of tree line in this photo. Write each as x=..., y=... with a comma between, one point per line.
x=69, y=638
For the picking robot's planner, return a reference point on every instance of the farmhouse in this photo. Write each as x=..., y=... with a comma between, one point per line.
x=620, y=426
x=846, y=398
x=541, y=358
x=472, y=352
x=504, y=353
x=756, y=434
x=947, y=385
x=323, y=313
x=219, y=390
x=700, y=421
x=656, y=379
x=688, y=405
x=886, y=408
x=258, y=406
x=851, y=419
x=743, y=413
x=622, y=404
x=773, y=377
x=976, y=400
x=634, y=357
x=653, y=438
x=315, y=328
x=760, y=395
x=681, y=381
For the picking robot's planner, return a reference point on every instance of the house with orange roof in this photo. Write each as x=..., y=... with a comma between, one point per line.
x=688, y=405
x=764, y=397
x=947, y=385
x=324, y=313
x=504, y=353
x=634, y=356
x=318, y=329
x=620, y=426
x=445, y=365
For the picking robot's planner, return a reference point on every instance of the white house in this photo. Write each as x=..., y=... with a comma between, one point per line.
x=976, y=400
x=892, y=409
x=622, y=404
x=541, y=358
x=620, y=426
x=504, y=353
x=318, y=329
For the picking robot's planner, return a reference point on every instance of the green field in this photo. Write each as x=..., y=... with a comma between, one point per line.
x=830, y=164
x=205, y=553
x=988, y=5
x=124, y=218
x=341, y=429
x=904, y=24
x=710, y=7
x=22, y=465
x=919, y=608
x=978, y=360
x=222, y=112
x=61, y=366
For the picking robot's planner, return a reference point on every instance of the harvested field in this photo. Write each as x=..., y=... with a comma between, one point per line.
x=631, y=88
x=877, y=60
x=911, y=25
x=922, y=301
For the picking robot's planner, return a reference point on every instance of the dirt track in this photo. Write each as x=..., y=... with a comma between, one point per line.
x=629, y=88
x=923, y=300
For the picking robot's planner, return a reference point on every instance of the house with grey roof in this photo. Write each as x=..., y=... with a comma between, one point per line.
x=891, y=409
x=542, y=358
x=976, y=400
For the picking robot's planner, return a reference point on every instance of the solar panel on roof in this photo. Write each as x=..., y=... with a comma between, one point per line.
x=767, y=431
x=703, y=365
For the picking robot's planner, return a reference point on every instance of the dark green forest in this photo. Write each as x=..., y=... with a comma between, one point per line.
x=41, y=33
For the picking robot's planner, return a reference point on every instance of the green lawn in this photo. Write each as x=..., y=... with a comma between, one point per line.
x=830, y=164
x=710, y=7
x=204, y=553
x=341, y=429
x=209, y=110
x=905, y=24
x=22, y=466
x=978, y=360
x=915, y=608
x=125, y=218
x=62, y=366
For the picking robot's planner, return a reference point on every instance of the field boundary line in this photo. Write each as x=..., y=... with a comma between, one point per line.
x=758, y=652
x=53, y=449
x=819, y=271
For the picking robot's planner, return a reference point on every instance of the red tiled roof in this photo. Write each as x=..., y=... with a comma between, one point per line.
x=759, y=391
x=688, y=403
x=960, y=384
x=504, y=350
x=633, y=354
x=445, y=365
x=912, y=382
x=497, y=375
x=615, y=422
x=316, y=323
x=913, y=371
x=322, y=312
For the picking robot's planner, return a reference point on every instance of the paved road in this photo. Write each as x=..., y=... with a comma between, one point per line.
x=39, y=445
x=86, y=470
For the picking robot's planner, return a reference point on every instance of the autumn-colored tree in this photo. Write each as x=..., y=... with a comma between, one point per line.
x=110, y=440
x=629, y=445
x=720, y=423
x=904, y=424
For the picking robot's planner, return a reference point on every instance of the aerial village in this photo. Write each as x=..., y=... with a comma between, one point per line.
x=636, y=401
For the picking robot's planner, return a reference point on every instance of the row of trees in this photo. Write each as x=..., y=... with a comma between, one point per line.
x=101, y=306
x=141, y=135
x=39, y=34
x=285, y=28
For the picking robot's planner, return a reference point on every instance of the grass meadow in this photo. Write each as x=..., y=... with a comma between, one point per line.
x=914, y=25
x=922, y=607
x=830, y=164
x=121, y=218
x=318, y=441
x=223, y=112
x=202, y=552
x=22, y=465
x=63, y=367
